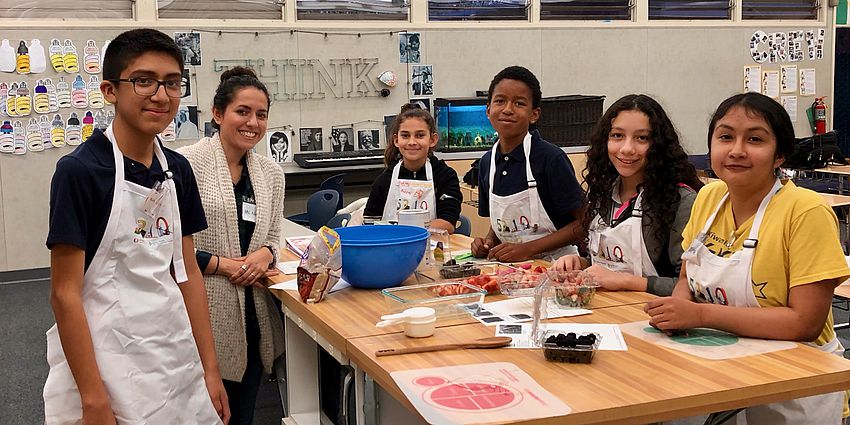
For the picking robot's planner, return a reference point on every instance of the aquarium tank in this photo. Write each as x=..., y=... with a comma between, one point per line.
x=463, y=124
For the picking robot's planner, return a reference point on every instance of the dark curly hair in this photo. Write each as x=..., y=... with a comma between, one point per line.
x=520, y=74
x=667, y=166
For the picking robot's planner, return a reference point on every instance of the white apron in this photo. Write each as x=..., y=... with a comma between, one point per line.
x=727, y=281
x=407, y=194
x=621, y=248
x=521, y=218
x=139, y=326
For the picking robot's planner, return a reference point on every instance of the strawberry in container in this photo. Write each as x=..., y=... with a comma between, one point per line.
x=573, y=289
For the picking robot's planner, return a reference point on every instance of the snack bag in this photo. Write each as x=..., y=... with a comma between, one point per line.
x=320, y=266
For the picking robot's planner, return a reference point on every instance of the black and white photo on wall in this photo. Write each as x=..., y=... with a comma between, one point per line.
x=388, y=123
x=422, y=103
x=422, y=80
x=186, y=84
x=408, y=47
x=368, y=139
x=278, y=144
x=186, y=122
x=190, y=45
x=209, y=131
x=311, y=139
x=342, y=139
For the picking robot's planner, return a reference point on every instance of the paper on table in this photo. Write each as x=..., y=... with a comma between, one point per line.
x=611, y=337
x=293, y=285
x=288, y=267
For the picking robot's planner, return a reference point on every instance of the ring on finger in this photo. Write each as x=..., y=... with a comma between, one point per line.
x=244, y=267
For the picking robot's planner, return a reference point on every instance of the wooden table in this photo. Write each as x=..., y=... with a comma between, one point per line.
x=647, y=383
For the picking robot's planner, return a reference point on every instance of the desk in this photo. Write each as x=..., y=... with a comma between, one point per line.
x=647, y=383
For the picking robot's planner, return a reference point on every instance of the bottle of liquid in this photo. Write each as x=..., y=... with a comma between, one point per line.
x=20, y=137
x=95, y=96
x=57, y=132
x=88, y=125
x=73, y=132
x=4, y=94
x=42, y=100
x=7, y=139
x=24, y=101
x=57, y=57
x=92, y=57
x=11, y=100
x=69, y=58
x=44, y=128
x=63, y=93
x=52, y=100
x=34, y=142
x=79, y=95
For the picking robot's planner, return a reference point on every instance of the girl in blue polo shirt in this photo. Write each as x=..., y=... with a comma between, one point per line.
x=527, y=185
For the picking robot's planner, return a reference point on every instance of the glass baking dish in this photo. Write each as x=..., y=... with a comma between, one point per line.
x=449, y=299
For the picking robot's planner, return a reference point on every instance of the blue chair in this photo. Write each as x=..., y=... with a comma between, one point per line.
x=321, y=207
x=339, y=220
x=464, y=227
x=336, y=183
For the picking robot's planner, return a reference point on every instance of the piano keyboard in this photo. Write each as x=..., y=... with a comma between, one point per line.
x=339, y=159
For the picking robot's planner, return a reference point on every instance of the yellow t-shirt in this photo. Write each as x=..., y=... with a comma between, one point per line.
x=798, y=242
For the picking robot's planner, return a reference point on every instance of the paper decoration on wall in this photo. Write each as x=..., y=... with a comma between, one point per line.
x=100, y=120
x=186, y=87
x=44, y=129
x=807, y=82
x=63, y=93
x=69, y=57
x=20, y=137
x=34, y=141
x=11, y=105
x=168, y=135
x=22, y=59
x=190, y=45
x=209, y=130
x=95, y=97
x=103, y=51
x=311, y=140
x=7, y=56
x=342, y=139
x=186, y=123
x=23, y=103
x=422, y=80
x=79, y=94
x=278, y=146
x=757, y=38
x=388, y=122
x=422, y=102
x=41, y=100
x=408, y=47
x=110, y=115
x=795, y=46
x=38, y=63
x=57, y=131
x=91, y=57
x=73, y=131
x=815, y=41
x=4, y=94
x=57, y=57
x=389, y=78
x=7, y=139
x=770, y=84
x=790, y=105
x=752, y=79
x=88, y=125
x=788, y=79
x=368, y=139
x=51, y=95
x=777, y=43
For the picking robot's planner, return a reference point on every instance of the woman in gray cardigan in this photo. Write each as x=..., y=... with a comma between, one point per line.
x=640, y=191
x=242, y=195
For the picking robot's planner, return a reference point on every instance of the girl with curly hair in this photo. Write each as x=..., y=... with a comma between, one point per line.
x=640, y=191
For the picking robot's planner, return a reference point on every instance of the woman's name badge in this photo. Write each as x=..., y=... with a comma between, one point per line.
x=153, y=202
x=249, y=212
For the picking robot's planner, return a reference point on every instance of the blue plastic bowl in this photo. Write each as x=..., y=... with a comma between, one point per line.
x=378, y=257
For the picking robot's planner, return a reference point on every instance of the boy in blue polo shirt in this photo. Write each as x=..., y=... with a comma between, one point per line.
x=527, y=185
x=132, y=341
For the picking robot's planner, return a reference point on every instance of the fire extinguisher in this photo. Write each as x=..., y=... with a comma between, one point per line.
x=820, y=115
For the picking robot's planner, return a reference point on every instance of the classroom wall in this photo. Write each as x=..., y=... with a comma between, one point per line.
x=685, y=68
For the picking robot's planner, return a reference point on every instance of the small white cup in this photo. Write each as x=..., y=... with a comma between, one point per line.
x=416, y=217
x=419, y=322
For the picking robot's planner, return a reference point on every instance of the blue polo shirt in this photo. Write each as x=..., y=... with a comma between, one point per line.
x=557, y=186
x=82, y=188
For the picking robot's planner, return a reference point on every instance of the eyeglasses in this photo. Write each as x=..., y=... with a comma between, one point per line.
x=148, y=86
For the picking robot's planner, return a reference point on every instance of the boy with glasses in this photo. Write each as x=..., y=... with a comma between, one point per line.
x=132, y=341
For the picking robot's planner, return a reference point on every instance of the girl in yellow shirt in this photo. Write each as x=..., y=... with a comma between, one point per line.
x=761, y=257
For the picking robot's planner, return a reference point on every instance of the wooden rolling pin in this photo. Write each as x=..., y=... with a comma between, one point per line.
x=489, y=342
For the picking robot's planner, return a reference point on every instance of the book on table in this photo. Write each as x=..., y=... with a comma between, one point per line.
x=298, y=244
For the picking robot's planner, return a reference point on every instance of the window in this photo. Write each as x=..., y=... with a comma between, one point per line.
x=689, y=9
x=586, y=10
x=384, y=10
x=220, y=9
x=788, y=9
x=477, y=10
x=54, y=9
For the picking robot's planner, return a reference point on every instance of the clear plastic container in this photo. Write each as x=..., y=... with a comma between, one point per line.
x=573, y=289
x=573, y=353
x=449, y=299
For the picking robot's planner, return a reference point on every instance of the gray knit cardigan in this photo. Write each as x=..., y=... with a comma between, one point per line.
x=226, y=300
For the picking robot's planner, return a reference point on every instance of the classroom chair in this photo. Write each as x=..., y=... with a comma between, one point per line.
x=339, y=220
x=321, y=207
x=337, y=183
x=464, y=227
